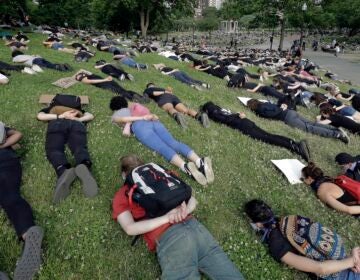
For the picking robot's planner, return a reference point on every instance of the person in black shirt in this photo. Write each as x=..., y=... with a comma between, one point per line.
x=113, y=71
x=350, y=165
x=172, y=104
x=293, y=119
x=329, y=116
x=266, y=223
x=66, y=126
x=17, y=208
x=108, y=84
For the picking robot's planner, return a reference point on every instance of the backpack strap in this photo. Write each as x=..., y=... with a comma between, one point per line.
x=130, y=193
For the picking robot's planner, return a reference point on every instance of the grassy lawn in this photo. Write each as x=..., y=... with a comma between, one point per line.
x=81, y=239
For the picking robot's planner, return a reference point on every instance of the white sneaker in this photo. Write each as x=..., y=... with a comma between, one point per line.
x=28, y=70
x=122, y=77
x=37, y=68
x=131, y=77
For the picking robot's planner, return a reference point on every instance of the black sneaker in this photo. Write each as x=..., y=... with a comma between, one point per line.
x=90, y=187
x=180, y=120
x=193, y=172
x=206, y=169
x=343, y=137
x=63, y=183
x=30, y=260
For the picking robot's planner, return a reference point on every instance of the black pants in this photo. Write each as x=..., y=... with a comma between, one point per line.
x=72, y=133
x=116, y=88
x=9, y=67
x=114, y=72
x=41, y=62
x=246, y=126
x=16, y=208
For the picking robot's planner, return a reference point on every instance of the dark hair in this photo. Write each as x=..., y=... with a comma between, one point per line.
x=118, y=102
x=129, y=162
x=16, y=53
x=150, y=84
x=253, y=104
x=311, y=170
x=318, y=98
x=258, y=211
x=100, y=62
x=327, y=109
x=116, y=52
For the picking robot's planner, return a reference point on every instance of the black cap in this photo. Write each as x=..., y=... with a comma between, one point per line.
x=344, y=158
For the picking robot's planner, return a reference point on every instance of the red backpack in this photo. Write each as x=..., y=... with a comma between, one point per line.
x=349, y=185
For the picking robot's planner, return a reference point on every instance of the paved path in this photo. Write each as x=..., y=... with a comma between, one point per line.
x=345, y=66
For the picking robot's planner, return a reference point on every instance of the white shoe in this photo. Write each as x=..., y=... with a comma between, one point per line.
x=122, y=77
x=131, y=77
x=37, y=68
x=28, y=70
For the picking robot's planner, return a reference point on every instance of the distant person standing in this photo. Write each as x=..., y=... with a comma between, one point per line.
x=271, y=41
x=337, y=49
x=303, y=45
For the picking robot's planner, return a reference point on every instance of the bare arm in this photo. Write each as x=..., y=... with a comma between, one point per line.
x=256, y=88
x=46, y=117
x=337, y=205
x=319, y=268
x=13, y=136
x=86, y=117
x=122, y=120
x=98, y=81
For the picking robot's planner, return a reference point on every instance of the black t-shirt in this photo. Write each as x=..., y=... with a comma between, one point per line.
x=279, y=245
x=271, y=111
x=7, y=153
x=108, y=68
x=338, y=120
x=250, y=85
x=150, y=92
x=167, y=69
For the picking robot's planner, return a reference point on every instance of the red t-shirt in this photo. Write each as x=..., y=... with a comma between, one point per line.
x=121, y=204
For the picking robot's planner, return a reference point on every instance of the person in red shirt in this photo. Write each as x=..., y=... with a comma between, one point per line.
x=184, y=246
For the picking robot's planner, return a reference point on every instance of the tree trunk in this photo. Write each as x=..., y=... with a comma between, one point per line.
x=353, y=32
x=282, y=34
x=144, y=21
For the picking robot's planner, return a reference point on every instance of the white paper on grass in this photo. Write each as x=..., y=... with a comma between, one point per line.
x=291, y=168
x=244, y=100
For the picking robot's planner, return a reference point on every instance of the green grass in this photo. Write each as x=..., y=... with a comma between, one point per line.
x=81, y=239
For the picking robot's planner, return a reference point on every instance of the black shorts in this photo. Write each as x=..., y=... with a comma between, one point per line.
x=168, y=98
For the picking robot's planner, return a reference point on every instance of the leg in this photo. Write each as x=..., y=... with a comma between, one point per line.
x=129, y=62
x=177, y=254
x=191, y=80
x=183, y=109
x=77, y=142
x=168, y=107
x=56, y=138
x=16, y=208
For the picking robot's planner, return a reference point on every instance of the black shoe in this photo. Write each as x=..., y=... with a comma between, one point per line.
x=203, y=118
x=63, y=183
x=30, y=260
x=90, y=187
x=180, y=120
x=193, y=172
x=206, y=169
x=343, y=137
x=67, y=67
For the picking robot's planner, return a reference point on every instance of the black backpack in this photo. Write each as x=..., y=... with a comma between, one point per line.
x=71, y=101
x=156, y=190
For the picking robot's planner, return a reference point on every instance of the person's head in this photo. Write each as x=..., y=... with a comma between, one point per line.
x=275, y=82
x=253, y=104
x=100, y=62
x=311, y=173
x=326, y=110
x=117, y=103
x=259, y=212
x=150, y=85
x=16, y=53
x=345, y=160
x=80, y=76
x=318, y=98
x=128, y=163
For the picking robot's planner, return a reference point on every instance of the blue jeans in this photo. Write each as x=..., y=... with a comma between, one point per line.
x=347, y=111
x=128, y=61
x=154, y=135
x=184, y=78
x=345, y=275
x=354, y=91
x=188, y=248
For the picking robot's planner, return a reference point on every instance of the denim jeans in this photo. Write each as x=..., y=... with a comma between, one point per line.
x=184, y=78
x=16, y=208
x=154, y=135
x=128, y=61
x=188, y=248
x=293, y=119
x=345, y=275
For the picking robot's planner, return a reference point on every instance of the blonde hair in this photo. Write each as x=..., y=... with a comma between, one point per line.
x=129, y=162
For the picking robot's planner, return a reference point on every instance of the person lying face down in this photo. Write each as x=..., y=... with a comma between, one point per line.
x=350, y=165
x=184, y=246
x=278, y=234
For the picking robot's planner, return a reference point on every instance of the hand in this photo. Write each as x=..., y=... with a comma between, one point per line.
x=355, y=253
x=242, y=115
x=109, y=79
x=16, y=146
x=69, y=115
x=177, y=214
x=284, y=107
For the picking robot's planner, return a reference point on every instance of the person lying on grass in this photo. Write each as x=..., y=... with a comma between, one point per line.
x=166, y=100
x=66, y=125
x=184, y=246
x=16, y=207
x=147, y=128
x=292, y=118
x=329, y=192
x=181, y=76
x=109, y=84
x=288, y=241
x=239, y=122
x=113, y=71
x=350, y=165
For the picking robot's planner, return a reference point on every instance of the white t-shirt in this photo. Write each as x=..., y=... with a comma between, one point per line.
x=24, y=58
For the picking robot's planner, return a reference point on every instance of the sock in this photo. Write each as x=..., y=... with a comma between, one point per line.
x=61, y=168
x=183, y=168
x=198, y=162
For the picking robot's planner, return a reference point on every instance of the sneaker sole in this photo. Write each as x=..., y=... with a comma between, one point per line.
x=90, y=187
x=209, y=173
x=30, y=260
x=62, y=189
x=181, y=121
x=345, y=134
x=205, y=120
x=196, y=174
